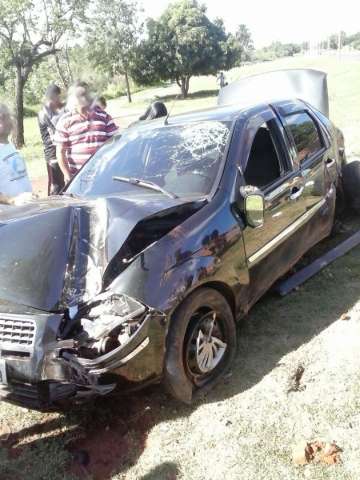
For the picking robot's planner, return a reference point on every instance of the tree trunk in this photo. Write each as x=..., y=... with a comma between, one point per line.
x=60, y=72
x=184, y=85
x=69, y=69
x=128, y=87
x=19, y=110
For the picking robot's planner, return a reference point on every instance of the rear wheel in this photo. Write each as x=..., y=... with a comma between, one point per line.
x=351, y=183
x=201, y=344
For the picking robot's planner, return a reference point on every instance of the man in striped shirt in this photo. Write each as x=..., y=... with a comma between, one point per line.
x=81, y=131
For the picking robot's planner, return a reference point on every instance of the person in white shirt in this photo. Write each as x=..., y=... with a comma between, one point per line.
x=15, y=186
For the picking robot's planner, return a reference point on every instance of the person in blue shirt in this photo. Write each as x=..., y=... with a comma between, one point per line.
x=15, y=186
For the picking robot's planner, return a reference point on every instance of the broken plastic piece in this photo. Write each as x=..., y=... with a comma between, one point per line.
x=5, y=432
x=291, y=283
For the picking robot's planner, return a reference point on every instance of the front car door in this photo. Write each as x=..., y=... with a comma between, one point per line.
x=264, y=161
x=299, y=196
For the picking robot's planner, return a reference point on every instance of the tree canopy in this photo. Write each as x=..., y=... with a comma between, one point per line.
x=244, y=43
x=31, y=31
x=182, y=43
x=113, y=31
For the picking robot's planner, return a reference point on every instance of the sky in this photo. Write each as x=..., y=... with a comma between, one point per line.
x=283, y=20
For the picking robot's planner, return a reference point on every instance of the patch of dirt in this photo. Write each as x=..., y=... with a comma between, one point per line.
x=108, y=446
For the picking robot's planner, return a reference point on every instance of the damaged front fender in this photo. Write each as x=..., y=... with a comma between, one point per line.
x=93, y=357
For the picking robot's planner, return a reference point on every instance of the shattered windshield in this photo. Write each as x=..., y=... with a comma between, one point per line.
x=183, y=160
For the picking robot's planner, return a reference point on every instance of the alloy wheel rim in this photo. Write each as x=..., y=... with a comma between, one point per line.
x=206, y=346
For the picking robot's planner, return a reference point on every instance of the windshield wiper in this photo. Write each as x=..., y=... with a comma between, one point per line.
x=145, y=184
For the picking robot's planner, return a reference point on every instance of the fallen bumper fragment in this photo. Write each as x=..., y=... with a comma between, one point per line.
x=286, y=286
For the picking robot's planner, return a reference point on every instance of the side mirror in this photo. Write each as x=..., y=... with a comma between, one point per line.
x=253, y=206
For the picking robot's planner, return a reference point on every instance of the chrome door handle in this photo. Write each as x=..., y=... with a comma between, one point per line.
x=330, y=162
x=296, y=192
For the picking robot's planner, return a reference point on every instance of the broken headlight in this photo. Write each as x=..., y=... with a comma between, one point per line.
x=109, y=322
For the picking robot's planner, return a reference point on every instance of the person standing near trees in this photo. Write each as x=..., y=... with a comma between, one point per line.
x=47, y=118
x=221, y=80
x=81, y=131
x=15, y=186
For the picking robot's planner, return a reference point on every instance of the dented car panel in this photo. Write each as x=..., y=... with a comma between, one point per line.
x=69, y=241
x=184, y=260
x=90, y=280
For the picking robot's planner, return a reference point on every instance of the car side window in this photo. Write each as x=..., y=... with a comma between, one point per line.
x=263, y=166
x=305, y=134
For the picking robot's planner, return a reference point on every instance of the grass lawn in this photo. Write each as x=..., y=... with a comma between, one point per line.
x=246, y=427
x=344, y=92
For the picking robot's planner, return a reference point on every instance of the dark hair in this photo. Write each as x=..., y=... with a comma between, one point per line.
x=52, y=90
x=81, y=83
x=155, y=110
x=102, y=101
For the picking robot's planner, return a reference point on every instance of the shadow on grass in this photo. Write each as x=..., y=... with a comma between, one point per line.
x=164, y=471
x=108, y=436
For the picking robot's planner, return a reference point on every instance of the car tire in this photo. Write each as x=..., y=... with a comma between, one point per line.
x=351, y=184
x=201, y=344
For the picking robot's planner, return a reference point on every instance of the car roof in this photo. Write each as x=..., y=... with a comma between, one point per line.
x=226, y=113
x=219, y=113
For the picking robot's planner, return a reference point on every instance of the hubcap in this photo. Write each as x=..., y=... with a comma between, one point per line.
x=206, y=345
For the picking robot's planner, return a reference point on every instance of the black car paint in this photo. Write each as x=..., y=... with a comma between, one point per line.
x=208, y=245
x=60, y=236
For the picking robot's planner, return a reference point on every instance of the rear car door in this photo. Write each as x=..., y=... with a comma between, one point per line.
x=309, y=147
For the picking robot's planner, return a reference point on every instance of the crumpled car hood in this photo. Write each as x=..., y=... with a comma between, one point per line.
x=54, y=252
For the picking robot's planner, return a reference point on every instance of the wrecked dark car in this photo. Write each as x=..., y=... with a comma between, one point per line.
x=167, y=236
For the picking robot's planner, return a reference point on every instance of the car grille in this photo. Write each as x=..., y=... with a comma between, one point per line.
x=17, y=334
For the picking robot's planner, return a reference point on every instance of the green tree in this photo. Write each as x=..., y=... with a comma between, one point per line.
x=31, y=31
x=181, y=44
x=353, y=40
x=337, y=40
x=277, y=50
x=244, y=41
x=114, y=29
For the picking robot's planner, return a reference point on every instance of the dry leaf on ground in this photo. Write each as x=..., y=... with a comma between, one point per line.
x=316, y=452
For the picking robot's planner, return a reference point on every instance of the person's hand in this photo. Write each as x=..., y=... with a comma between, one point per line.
x=67, y=178
x=23, y=198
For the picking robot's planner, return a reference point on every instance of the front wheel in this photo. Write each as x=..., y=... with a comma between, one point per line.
x=201, y=344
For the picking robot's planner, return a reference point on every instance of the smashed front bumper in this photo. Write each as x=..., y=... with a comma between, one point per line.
x=39, y=369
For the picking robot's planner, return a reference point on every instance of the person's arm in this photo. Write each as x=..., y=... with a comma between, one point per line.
x=62, y=161
x=61, y=139
x=5, y=199
x=18, y=199
x=111, y=127
x=43, y=127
